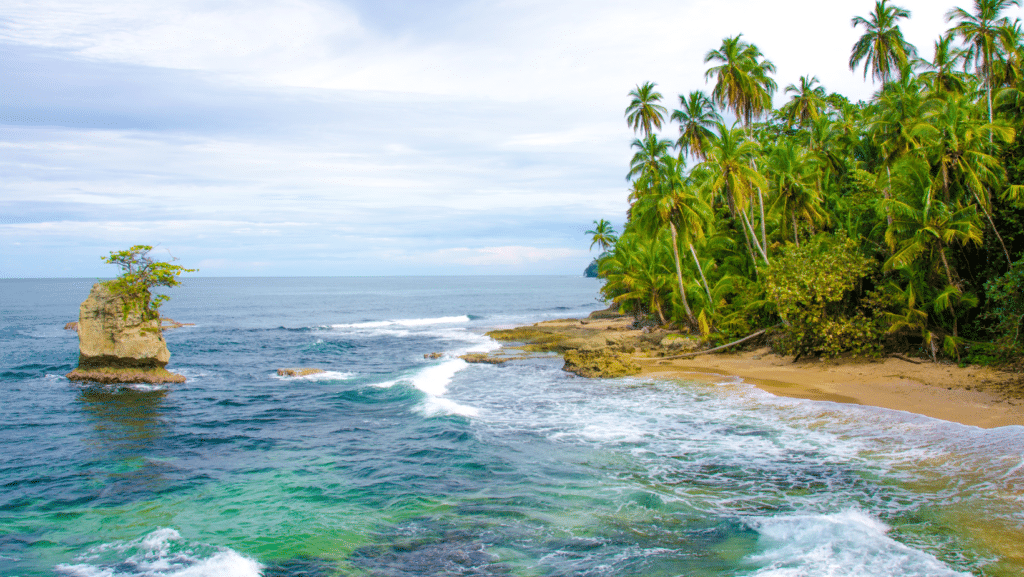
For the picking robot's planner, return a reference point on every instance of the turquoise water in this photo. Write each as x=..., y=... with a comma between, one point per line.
x=393, y=464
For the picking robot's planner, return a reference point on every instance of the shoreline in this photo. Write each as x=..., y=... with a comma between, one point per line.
x=973, y=395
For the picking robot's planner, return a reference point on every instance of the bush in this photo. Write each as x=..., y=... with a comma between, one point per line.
x=812, y=288
x=1005, y=310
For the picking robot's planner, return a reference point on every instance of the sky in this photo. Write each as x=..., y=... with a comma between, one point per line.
x=358, y=137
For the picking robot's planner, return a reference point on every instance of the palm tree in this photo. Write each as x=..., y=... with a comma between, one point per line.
x=941, y=74
x=981, y=30
x=674, y=202
x=793, y=178
x=603, y=235
x=643, y=167
x=882, y=47
x=696, y=118
x=807, y=102
x=741, y=77
x=637, y=279
x=731, y=172
x=924, y=227
x=644, y=113
x=956, y=144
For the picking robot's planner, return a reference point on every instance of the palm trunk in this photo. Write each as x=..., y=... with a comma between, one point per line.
x=988, y=215
x=711, y=302
x=679, y=275
x=885, y=193
x=754, y=235
x=945, y=263
x=796, y=237
x=760, y=204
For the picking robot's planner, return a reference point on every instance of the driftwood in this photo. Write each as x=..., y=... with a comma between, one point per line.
x=714, y=350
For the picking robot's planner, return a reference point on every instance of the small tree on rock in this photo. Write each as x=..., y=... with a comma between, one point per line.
x=139, y=274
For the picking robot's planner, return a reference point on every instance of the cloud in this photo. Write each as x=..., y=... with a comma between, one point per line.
x=357, y=136
x=501, y=256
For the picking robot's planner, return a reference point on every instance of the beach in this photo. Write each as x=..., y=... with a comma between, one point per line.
x=976, y=396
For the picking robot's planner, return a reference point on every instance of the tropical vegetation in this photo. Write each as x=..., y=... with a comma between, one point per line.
x=895, y=224
x=140, y=273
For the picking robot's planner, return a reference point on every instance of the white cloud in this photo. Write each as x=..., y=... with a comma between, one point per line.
x=504, y=256
x=333, y=132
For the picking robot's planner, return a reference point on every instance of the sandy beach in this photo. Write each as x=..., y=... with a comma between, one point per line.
x=976, y=396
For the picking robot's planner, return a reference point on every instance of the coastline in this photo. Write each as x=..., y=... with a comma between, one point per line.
x=973, y=395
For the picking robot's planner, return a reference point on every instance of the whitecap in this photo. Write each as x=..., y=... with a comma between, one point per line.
x=324, y=376
x=404, y=323
x=161, y=553
x=850, y=543
x=435, y=406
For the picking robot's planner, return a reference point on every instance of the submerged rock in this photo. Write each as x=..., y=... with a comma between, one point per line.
x=299, y=372
x=596, y=364
x=118, y=344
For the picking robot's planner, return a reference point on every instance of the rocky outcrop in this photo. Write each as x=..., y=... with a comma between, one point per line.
x=599, y=364
x=299, y=372
x=117, y=344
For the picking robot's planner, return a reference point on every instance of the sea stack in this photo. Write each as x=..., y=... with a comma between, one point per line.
x=118, y=344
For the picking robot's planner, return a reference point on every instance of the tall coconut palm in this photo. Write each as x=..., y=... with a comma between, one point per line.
x=956, y=144
x=644, y=113
x=675, y=203
x=940, y=73
x=808, y=101
x=696, y=117
x=742, y=81
x=603, y=235
x=643, y=167
x=980, y=29
x=731, y=172
x=882, y=47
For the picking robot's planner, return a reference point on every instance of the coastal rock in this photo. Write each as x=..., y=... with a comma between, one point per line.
x=484, y=358
x=108, y=375
x=433, y=355
x=299, y=372
x=117, y=344
x=72, y=326
x=599, y=364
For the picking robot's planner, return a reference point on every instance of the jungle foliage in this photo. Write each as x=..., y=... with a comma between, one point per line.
x=895, y=224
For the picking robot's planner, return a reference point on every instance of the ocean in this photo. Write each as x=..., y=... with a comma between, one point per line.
x=392, y=464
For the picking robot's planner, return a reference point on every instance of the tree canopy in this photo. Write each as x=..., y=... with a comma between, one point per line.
x=893, y=224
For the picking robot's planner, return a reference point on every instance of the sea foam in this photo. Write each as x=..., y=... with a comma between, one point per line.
x=407, y=323
x=161, y=553
x=850, y=543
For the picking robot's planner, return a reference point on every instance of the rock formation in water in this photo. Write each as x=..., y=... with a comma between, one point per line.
x=299, y=372
x=118, y=344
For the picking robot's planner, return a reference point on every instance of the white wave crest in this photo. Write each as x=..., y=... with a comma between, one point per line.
x=324, y=376
x=850, y=543
x=162, y=553
x=434, y=381
x=404, y=323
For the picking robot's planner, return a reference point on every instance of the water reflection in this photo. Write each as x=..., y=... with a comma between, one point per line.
x=129, y=431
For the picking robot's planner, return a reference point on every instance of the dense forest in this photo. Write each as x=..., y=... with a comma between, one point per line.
x=893, y=225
